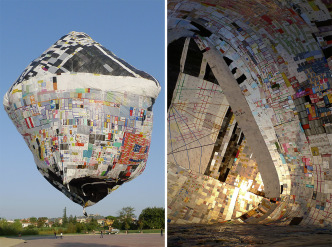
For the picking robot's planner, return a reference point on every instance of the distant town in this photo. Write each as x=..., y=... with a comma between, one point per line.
x=55, y=222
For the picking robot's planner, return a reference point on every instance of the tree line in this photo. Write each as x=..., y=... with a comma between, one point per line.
x=150, y=218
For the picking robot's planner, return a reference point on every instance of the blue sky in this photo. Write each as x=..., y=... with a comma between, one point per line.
x=131, y=29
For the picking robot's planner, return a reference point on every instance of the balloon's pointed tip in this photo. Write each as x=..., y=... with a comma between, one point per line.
x=84, y=212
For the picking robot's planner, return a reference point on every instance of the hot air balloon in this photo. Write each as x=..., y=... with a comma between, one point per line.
x=86, y=115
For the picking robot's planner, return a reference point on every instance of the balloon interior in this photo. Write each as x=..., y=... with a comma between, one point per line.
x=86, y=116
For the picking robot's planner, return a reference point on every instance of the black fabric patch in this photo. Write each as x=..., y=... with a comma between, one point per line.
x=324, y=23
x=328, y=38
x=241, y=79
x=64, y=146
x=92, y=138
x=209, y=76
x=296, y=221
x=223, y=176
x=307, y=98
x=328, y=52
x=95, y=189
x=194, y=59
x=202, y=30
x=93, y=62
x=174, y=52
x=39, y=148
x=57, y=63
x=227, y=60
x=100, y=137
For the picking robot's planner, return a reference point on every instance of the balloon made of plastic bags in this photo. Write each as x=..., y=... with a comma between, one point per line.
x=86, y=116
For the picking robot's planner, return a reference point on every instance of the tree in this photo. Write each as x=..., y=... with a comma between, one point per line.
x=140, y=224
x=33, y=220
x=92, y=225
x=127, y=226
x=152, y=218
x=71, y=228
x=3, y=224
x=64, y=217
x=110, y=217
x=116, y=224
x=7, y=228
x=41, y=221
x=126, y=217
x=56, y=223
x=71, y=219
x=80, y=227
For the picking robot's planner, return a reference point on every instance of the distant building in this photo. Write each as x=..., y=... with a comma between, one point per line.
x=26, y=223
x=94, y=215
x=49, y=223
x=81, y=220
x=101, y=222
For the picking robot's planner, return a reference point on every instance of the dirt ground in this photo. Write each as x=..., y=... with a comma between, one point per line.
x=8, y=242
x=247, y=235
x=120, y=240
